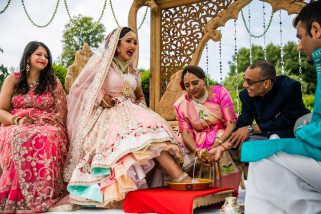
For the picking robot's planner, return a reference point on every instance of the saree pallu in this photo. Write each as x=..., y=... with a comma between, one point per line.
x=32, y=156
x=207, y=123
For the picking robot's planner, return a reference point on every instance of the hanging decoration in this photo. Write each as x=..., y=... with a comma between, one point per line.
x=6, y=7
x=207, y=74
x=264, y=31
x=96, y=24
x=281, y=44
x=236, y=64
x=116, y=20
x=264, y=35
x=300, y=67
x=221, y=68
x=70, y=17
x=113, y=12
x=250, y=37
x=29, y=17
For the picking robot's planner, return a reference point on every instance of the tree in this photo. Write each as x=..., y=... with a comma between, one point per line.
x=73, y=38
x=3, y=74
x=291, y=65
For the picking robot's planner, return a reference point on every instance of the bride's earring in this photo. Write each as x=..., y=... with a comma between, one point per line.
x=118, y=50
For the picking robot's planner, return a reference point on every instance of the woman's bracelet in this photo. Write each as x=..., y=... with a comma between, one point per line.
x=195, y=151
x=225, y=149
x=15, y=120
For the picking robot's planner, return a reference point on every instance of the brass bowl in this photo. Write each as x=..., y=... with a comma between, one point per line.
x=203, y=183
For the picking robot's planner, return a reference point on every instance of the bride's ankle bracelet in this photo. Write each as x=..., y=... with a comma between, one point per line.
x=180, y=178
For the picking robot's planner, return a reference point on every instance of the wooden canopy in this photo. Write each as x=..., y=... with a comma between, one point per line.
x=180, y=30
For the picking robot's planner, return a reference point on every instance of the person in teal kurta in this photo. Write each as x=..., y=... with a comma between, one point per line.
x=285, y=174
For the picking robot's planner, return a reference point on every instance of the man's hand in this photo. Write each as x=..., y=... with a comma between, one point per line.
x=239, y=136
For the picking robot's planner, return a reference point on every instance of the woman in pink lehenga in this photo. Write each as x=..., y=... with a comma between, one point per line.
x=114, y=137
x=206, y=118
x=33, y=135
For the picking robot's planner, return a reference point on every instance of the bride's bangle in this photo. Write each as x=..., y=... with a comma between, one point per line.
x=106, y=103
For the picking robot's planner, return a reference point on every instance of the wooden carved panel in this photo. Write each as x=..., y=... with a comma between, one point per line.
x=182, y=28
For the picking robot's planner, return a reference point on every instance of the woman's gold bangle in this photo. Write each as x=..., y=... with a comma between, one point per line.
x=195, y=151
x=14, y=120
x=225, y=149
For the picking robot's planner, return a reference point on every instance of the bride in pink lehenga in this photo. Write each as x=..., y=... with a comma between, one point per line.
x=33, y=137
x=114, y=137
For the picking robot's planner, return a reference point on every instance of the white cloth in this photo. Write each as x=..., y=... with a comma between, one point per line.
x=284, y=183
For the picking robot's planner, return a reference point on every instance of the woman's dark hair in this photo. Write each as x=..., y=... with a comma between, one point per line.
x=267, y=68
x=194, y=69
x=124, y=31
x=47, y=80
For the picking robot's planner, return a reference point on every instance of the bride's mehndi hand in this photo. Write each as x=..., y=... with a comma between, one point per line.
x=107, y=101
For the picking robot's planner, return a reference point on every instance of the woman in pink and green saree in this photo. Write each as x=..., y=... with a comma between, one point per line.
x=206, y=118
x=33, y=136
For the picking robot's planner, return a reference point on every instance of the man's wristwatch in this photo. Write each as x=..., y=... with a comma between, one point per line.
x=250, y=128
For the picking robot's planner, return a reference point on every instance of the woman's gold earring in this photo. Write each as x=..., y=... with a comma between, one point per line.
x=28, y=66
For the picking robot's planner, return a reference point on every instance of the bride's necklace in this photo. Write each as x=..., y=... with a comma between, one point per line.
x=127, y=91
x=122, y=65
x=203, y=98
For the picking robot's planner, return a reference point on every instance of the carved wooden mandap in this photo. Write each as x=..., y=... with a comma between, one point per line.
x=180, y=30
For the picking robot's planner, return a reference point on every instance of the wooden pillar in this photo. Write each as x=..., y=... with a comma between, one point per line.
x=155, y=76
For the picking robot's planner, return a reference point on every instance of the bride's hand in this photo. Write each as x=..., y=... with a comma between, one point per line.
x=107, y=101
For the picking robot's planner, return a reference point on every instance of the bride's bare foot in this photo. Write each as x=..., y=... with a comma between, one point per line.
x=187, y=180
x=183, y=178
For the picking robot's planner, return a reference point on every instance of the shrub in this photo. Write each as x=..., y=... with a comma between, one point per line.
x=145, y=84
x=308, y=101
x=60, y=71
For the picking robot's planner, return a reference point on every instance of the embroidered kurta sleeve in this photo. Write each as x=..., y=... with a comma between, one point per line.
x=60, y=110
x=58, y=113
x=311, y=133
x=227, y=106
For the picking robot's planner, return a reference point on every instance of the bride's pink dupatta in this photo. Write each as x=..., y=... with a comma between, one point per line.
x=84, y=98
